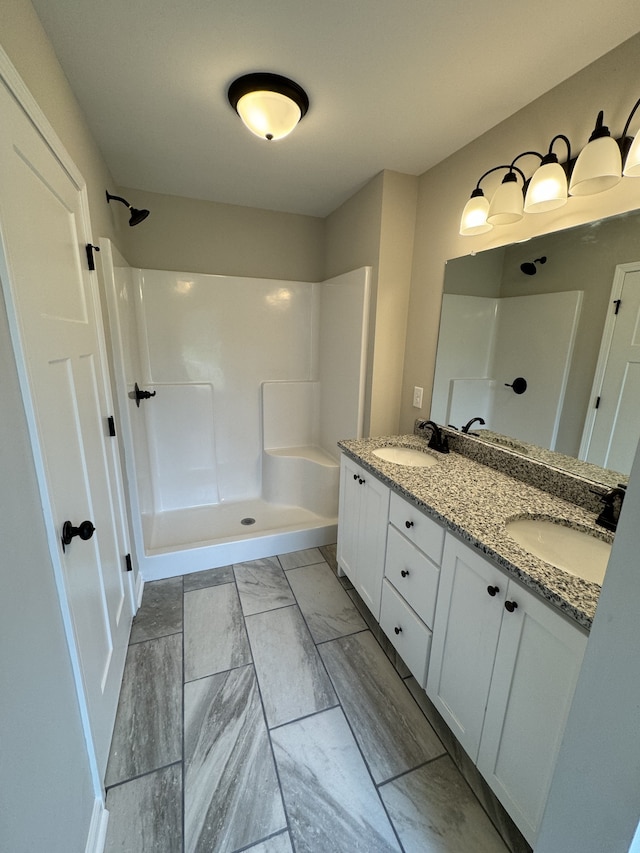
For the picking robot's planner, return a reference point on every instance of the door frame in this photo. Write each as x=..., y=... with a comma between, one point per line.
x=15, y=85
x=603, y=355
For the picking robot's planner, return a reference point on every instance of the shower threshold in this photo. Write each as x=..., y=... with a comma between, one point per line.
x=188, y=540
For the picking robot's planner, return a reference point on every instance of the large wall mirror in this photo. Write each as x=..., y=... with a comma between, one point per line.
x=544, y=310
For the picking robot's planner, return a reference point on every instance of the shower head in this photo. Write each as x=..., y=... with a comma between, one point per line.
x=529, y=267
x=136, y=215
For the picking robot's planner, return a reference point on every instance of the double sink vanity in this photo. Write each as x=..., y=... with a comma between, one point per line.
x=486, y=583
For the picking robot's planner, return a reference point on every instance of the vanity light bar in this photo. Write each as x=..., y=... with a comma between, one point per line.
x=598, y=167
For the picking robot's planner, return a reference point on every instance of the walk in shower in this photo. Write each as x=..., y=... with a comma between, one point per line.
x=244, y=387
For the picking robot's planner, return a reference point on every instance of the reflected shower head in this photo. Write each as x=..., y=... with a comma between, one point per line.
x=530, y=268
x=136, y=215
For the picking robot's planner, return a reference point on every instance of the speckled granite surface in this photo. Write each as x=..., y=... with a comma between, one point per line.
x=474, y=501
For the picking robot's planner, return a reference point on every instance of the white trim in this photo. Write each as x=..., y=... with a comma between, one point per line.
x=603, y=356
x=16, y=87
x=97, y=829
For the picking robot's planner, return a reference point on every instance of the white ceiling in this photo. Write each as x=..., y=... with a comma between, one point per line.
x=393, y=84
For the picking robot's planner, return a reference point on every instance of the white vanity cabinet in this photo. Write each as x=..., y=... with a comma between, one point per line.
x=362, y=531
x=502, y=674
x=410, y=586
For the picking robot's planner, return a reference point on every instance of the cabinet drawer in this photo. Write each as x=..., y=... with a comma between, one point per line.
x=409, y=635
x=413, y=575
x=427, y=534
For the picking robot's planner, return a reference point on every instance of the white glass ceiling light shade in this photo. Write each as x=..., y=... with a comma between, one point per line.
x=548, y=188
x=474, y=215
x=599, y=165
x=632, y=163
x=507, y=202
x=632, y=160
x=269, y=105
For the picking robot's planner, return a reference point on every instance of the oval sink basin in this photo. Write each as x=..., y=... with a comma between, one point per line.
x=575, y=551
x=409, y=456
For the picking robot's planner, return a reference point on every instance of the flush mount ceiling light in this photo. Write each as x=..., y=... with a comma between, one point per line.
x=269, y=105
x=602, y=163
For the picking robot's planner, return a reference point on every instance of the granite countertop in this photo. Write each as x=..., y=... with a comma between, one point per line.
x=474, y=501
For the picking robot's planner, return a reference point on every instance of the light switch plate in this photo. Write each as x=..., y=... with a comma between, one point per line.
x=417, y=397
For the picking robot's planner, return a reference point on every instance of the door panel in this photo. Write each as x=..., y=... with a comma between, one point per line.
x=54, y=306
x=616, y=427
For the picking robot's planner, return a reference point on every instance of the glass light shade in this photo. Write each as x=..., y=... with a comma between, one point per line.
x=547, y=189
x=598, y=168
x=474, y=217
x=506, y=205
x=269, y=115
x=632, y=163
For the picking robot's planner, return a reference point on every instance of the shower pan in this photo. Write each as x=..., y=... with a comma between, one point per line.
x=232, y=394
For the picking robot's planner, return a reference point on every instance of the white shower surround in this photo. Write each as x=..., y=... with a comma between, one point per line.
x=255, y=381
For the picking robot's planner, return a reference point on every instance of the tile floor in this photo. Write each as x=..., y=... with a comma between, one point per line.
x=258, y=712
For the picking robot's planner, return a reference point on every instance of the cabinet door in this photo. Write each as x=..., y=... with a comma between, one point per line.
x=537, y=663
x=465, y=637
x=372, y=541
x=349, y=516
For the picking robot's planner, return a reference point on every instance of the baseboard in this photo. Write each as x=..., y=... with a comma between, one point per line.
x=98, y=828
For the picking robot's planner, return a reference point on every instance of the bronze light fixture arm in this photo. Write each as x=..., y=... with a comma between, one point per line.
x=625, y=141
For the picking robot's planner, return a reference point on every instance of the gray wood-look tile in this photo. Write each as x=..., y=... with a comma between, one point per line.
x=232, y=796
x=330, y=554
x=392, y=731
x=300, y=558
x=326, y=607
x=160, y=612
x=387, y=646
x=148, y=727
x=145, y=814
x=214, y=634
x=292, y=678
x=434, y=811
x=331, y=801
x=262, y=586
x=209, y=577
x=278, y=844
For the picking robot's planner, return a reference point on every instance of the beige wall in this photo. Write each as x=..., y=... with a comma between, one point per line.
x=225, y=239
x=29, y=49
x=375, y=227
x=400, y=194
x=613, y=84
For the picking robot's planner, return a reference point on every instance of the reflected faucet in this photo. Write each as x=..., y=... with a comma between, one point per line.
x=437, y=441
x=612, y=501
x=468, y=425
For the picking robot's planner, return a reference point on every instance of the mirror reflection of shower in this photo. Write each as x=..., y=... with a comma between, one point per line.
x=530, y=268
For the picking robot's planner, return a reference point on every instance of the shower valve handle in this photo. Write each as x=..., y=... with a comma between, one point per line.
x=142, y=395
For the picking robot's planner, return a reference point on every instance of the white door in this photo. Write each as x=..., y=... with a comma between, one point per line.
x=612, y=430
x=54, y=311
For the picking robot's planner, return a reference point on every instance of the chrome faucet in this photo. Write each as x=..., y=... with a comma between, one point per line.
x=438, y=441
x=468, y=425
x=612, y=500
